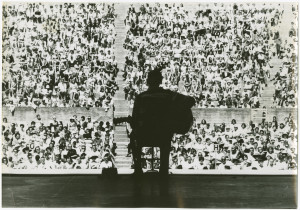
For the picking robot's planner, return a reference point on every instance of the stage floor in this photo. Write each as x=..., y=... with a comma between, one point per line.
x=184, y=191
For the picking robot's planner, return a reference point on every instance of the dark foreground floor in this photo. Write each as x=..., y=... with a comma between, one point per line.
x=189, y=191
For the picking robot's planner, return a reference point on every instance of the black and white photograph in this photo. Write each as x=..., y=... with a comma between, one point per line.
x=150, y=104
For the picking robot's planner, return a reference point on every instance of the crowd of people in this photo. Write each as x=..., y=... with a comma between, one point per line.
x=286, y=80
x=236, y=146
x=219, y=54
x=63, y=55
x=78, y=144
x=86, y=144
x=59, y=55
x=286, y=83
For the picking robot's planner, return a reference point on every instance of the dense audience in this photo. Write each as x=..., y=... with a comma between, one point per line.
x=286, y=83
x=77, y=144
x=86, y=144
x=59, y=55
x=286, y=80
x=62, y=55
x=220, y=54
x=236, y=146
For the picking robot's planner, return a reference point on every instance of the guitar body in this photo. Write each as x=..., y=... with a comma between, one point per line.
x=183, y=121
x=181, y=116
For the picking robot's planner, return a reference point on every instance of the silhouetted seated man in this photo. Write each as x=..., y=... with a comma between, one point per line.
x=153, y=120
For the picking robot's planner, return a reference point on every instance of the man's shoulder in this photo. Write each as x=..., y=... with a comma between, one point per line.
x=155, y=92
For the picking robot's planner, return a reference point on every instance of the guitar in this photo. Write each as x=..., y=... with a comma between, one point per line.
x=180, y=115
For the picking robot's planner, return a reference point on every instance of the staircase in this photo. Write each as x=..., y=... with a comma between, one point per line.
x=121, y=105
x=266, y=99
x=268, y=92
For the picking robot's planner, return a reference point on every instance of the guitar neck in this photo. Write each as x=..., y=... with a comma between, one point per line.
x=120, y=120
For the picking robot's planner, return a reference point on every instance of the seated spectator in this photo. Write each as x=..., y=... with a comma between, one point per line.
x=106, y=162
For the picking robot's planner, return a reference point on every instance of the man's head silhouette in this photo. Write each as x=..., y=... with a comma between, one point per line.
x=154, y=78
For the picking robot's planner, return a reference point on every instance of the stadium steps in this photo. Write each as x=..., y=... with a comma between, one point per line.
x=119, y=94
x=122, y=110
x=124, y=165
x=121, y=135
x=121, y=114
x=267, y=94
x=122, y=148
x=121, y=105
x=119, y=101
x=123, y=162
x=122, y=143
x=120, y=128
x=266, y=99
x=121, y=152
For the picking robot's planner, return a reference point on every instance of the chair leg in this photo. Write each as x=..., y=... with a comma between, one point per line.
x=164, y=160
x=136, y=153
x=152, y=160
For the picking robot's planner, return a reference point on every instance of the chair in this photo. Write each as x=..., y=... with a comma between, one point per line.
x=163, y=145
x=152, y=159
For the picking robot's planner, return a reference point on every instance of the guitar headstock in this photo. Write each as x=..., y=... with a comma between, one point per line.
x=120, y=120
